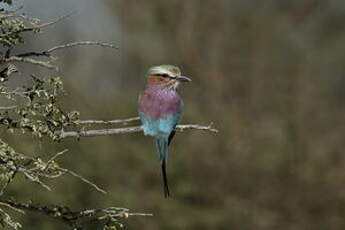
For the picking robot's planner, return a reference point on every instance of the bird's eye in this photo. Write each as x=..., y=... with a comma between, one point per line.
x=166, y=76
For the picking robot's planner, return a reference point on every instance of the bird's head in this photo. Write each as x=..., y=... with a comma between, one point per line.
x=166, y=75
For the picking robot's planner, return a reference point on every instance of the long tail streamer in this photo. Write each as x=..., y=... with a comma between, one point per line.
x=162, y=145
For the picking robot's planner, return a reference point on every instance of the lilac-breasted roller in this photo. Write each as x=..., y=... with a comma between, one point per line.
x=160, y=109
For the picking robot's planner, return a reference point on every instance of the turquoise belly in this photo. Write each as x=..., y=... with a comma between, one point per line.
x=159, y=127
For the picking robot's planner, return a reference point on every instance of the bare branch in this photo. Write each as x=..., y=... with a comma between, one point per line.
x=11, y=207
x=34, y=53
x=48, y=52
x=29, y=60
x=110, y=122
x=181, y=128
x=81, y=43
x=133, y=129
x=8, y=107
x=100, y=132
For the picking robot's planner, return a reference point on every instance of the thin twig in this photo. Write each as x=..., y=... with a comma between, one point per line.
x=81, y=43
x=34, y=179
x=24, y=57
x=54, y=157
x=83, y=179
x=50, y=23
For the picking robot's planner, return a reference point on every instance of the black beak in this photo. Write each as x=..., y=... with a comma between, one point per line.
x=183, y=79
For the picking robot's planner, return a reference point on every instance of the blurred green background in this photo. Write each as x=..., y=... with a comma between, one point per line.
x=269, y=74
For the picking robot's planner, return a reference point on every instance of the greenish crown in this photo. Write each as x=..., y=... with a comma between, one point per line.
x=171, y=70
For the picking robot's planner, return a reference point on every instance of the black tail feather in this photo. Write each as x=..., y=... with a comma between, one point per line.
x=171, y=136
x=165, y=180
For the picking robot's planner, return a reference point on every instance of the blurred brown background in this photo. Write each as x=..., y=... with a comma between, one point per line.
x=269, y=74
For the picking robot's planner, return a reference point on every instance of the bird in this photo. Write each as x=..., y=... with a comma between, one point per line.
x=160, y=110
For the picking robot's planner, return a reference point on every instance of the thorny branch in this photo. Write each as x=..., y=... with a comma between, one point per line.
x=32, y=28
x=10, y=13
x=25, y=57
x=35, y=169
x=28, y=57
x=74, y=218
x=49, y=169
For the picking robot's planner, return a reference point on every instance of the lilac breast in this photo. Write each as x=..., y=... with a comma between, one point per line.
x=157, y=102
